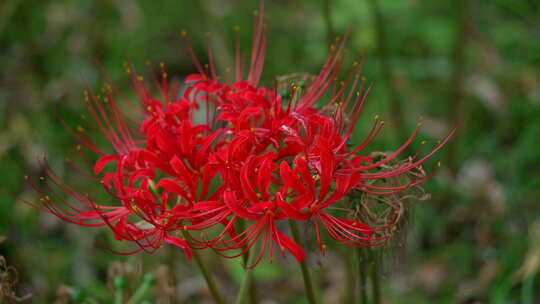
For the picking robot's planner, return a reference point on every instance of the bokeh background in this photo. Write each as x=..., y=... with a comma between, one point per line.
x=477, y=240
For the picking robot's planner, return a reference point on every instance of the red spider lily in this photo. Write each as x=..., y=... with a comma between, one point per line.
x=258, y=157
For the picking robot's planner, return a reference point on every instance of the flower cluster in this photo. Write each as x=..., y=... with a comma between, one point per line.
x=221, y=165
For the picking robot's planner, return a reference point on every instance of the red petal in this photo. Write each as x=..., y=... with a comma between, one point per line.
x=290, y=245
x=194, y=77
x=235, y=207
x=327, y=168
x=246, y=181
x=180, y=243
x=264, y=178
x=102, y=162
x=171, y=185
x=290, y=211
x=290, y=179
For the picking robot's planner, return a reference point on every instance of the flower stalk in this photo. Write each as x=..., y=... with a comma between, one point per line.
x=148, y=280
x=119, y=286
x=350, y=276
x=206, y=274
x=247, y=259
x=308, y=284
x=362, y=273
x=244, y=293
x=374, y=261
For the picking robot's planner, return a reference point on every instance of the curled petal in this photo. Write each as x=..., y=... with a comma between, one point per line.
x=180, y=243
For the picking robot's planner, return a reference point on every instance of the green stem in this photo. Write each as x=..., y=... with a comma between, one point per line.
x=303, y=265
x=350, y=283
x=119, y=285
x=148, y=280
x=221, y=51
x=456, y=93
x=375, y=284
x=327, y=15
x=362, y=267
x=7, y=10
x=396, y=110
x=118, y=297
x=527, y=294
x=247, y=282
x=172, y=262
x=206, y=274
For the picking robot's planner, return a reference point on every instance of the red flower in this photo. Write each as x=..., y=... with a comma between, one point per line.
x=257, y=156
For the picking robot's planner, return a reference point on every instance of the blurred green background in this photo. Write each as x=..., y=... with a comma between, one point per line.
x=476, y=241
